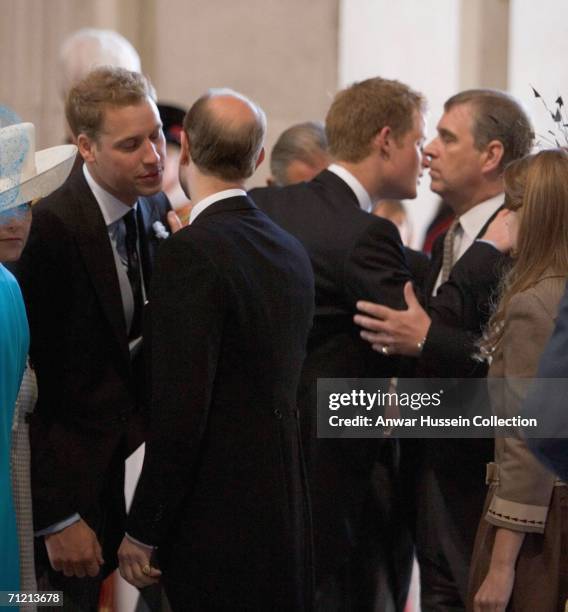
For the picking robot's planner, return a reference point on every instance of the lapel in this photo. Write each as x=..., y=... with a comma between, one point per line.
x=435, y=265
x=148, y=213
x=234, y=204
x=438, y=256
x=96, y=251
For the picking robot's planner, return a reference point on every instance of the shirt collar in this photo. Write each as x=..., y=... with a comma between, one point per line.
x=214, y=197
x=475, y=218
x=360, y=192
x=112, y=208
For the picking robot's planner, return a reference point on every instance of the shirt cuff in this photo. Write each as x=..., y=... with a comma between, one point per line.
x=135, y=541
x=58, y=526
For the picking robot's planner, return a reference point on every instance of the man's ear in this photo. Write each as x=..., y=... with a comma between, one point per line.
x=260, y=158
x=184, y=155
x=382, y=142
x=493, y=155
x=86, y=147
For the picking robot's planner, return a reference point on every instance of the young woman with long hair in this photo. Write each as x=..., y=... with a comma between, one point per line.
x=520, y=560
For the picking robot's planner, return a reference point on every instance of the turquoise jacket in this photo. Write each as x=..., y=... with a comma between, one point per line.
x=14, y=344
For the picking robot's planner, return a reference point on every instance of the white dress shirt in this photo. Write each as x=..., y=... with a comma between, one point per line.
x=113, y=211
x=360, y=192
x=211, y=199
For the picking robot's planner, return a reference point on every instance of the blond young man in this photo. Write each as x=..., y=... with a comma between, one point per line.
x=375, y=131
x=85, y=275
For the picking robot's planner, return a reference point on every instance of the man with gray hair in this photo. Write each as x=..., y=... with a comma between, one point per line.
x=221, y=506
x=90, y=48
x=480, y=132
x=300, y=153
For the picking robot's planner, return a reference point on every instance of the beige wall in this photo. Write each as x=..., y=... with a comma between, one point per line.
x=30, y=33
x=484, y=34
x=282, y=54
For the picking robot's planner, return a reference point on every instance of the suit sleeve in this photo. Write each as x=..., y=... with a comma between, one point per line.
x=45, y=277
x=185, y=322
x=459, y=312
x=547, y=399
x=523, y=493
x=376, y=268
x=43, y=272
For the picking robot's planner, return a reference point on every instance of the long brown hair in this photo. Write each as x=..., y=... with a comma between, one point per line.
x=536, y=187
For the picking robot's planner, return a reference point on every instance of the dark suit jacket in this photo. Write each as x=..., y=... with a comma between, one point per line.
x=419, y=266
x=460, y=310
x=88, y=390
x=355, y=256
x=222, y=492
x=447, y=477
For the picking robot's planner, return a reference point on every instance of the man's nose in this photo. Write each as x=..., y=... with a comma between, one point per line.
x=428, y=153
x=151, y=153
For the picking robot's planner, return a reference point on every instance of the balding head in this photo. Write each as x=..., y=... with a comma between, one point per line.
x=226, y=132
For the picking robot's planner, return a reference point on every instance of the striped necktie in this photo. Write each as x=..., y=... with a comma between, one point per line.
x=133, y=271
x=449, y=240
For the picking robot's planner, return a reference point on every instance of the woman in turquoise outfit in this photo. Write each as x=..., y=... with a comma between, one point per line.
x=14, y=342
x=24, y=176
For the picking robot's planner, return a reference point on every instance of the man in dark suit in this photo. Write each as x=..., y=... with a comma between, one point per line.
x=480, y=132
x=85, y=274
x=375, y=132
x=222, y=494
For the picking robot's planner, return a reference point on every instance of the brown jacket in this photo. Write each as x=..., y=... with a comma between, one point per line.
x=522, y=487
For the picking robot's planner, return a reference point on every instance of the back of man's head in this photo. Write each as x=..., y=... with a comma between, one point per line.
x=226, y=133
x=89, y=48
x=359, y=112
x=497, y=116
x=303, y=143
x=101, y=88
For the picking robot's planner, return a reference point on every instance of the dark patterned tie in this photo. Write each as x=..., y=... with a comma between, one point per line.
x=448, y=259
x=134, y=275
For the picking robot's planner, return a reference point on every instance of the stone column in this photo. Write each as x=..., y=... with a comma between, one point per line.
x=484, y=43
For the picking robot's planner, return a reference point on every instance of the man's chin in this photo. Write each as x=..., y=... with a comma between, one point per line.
x=406, y=194
x=150, y=189
x=436, y=186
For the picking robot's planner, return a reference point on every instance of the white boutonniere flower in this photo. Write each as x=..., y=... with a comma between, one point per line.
x=160, y=230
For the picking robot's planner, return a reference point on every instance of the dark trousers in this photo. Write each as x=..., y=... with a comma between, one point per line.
x=445, y=492
x=107, y=518
x=376, y=571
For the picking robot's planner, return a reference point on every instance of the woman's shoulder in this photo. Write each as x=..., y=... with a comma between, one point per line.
x=544, y=295
x=9, y=288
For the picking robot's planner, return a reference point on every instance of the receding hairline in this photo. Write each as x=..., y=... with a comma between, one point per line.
x=214, y=104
